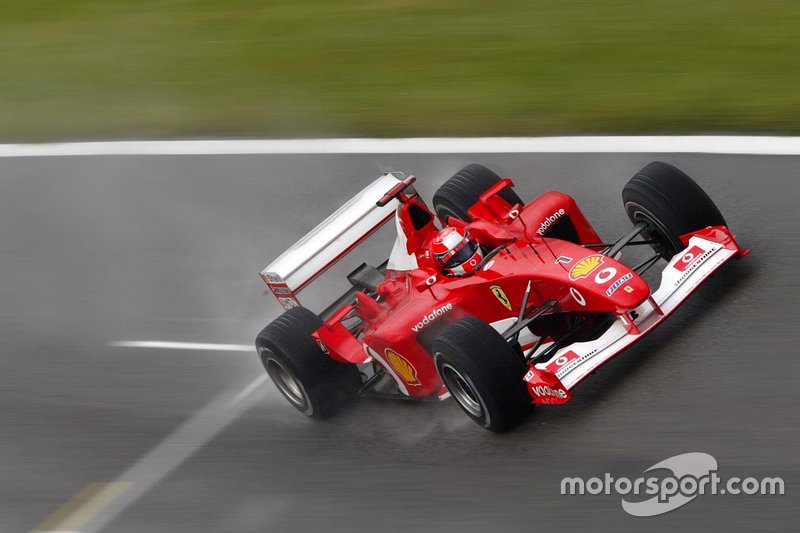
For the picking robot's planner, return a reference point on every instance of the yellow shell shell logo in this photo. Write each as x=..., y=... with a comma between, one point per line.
x=402, y=367
x=585, y=266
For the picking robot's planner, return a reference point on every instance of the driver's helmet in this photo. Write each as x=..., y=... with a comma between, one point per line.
x=456, y=252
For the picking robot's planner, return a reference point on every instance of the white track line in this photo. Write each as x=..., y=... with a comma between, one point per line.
x=713, y=144
x=174, y=450
x=183, y=346
x=97, y=511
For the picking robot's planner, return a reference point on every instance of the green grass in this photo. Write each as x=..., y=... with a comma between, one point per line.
x=82, y=69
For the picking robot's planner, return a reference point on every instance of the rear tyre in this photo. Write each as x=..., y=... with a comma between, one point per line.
x=483, y=374
x=670, y=203
x=313, y=383
x=460, y=192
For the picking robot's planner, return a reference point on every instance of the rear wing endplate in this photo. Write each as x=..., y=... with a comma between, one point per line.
x=331, y=240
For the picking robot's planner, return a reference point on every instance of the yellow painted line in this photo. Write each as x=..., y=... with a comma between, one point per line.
x=89, y=501
x=98, y=504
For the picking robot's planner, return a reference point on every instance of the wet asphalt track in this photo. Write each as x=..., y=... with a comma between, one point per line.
x=99, y=249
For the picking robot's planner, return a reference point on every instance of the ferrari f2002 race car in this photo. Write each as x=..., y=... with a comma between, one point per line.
x=496, y=302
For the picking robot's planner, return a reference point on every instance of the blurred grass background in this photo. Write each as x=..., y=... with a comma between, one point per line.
x=87, y=69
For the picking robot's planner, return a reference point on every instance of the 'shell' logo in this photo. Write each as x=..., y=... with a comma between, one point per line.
x=402, y=367
x=688, y=258
x=585, y=266
x=501, y=296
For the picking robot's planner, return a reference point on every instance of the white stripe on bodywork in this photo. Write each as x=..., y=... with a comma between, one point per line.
x=400, y=258
x=525, y=336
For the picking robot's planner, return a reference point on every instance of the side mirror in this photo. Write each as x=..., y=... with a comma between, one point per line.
x=368, y=307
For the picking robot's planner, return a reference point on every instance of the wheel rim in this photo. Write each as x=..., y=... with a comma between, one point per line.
x=287, y=383
x=462, y=390
x=655, y=230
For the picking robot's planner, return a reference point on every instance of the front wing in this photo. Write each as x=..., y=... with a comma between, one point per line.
x=550, y=382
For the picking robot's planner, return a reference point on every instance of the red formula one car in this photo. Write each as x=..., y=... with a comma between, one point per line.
x=488, y=299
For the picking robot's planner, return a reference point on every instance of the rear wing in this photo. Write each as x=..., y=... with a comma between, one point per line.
x=331, y=240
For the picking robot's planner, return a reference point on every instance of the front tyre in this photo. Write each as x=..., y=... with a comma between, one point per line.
x=483, y=374
x=670, y=203
x=313, y=383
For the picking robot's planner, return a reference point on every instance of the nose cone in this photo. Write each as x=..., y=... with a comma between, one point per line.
x=628, y=290
x=609, y=281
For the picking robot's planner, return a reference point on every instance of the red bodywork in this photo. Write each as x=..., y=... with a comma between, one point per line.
x=414, y=306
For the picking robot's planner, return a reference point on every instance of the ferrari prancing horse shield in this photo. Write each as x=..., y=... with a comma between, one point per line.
x=501, y=296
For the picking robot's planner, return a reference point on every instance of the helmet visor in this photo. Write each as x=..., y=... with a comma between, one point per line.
x=466, y=251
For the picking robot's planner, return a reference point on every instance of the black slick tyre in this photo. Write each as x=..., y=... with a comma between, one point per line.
x=462, y=190
x=313, y=383
x=670, y=203
x=483, y=374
